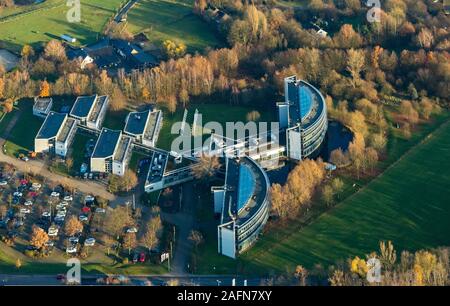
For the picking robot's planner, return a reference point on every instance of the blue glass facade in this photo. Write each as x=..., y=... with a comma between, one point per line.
x=246, y=185
x=306, y=101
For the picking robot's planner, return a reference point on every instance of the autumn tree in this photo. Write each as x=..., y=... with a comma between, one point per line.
x=118, y=100
x=206, y=167
x=45, y=89
x=54, y=50
x=129, y=180
x=129, y=241
x=38, y=237
x=338, y=186
x=327, y=195
x=347, y=38
x=27, y=51
x=339, y=158
x=173, y=50
x=371, y=156
x=408, y=111
x=116, y=220
x=356, y=150
x=355, y=64
x=152, y=233
x=253, y=116
x=73, y=226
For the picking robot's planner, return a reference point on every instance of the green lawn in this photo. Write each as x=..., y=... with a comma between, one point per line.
x=407, y=204
x=48, y=20
x=171, y=19
x=221, y=113
x=21, y=138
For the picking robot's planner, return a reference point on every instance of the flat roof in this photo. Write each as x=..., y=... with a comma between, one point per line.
x=152, y=125
x=42, y=104
x=106, y=143
x=51, y=125
x=136, y=122
x=67, y=127
x=101, y=101
x=83, y=106
x=122, y=149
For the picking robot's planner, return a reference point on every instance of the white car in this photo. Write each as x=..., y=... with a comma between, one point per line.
x=89, y=242
x=74, y=240
x=17, y=194
x=28, y=203
x=132, y=230
x=54, y=194
x=25, y=159
x=71, y=249
x=46, y=214
x=3, y=183
x=89, y=198
x=36, y=186
x=100, y=210
x=53, y=231
x=68, y=198
x=59, y=218
x=49, y=243
x=83, y=218
x=25, y=210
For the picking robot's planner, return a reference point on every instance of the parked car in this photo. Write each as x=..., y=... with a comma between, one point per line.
x=17, y=194
x=54, y=194
x=132, y=230
x=53, y=231
x=68, y=198
x=3, y=183
x=25, y=159
x=49, y=243
x=71, y=249
x=83, y=218
x=73, y=240
x=135, y=257
x=142, y=257
x=100, y=210
x=89, y=242
x=28, y=203
x=46, y=214
x=25, y=210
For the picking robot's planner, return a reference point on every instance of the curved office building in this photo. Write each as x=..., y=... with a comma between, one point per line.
x=243, y=204
x=303, y=117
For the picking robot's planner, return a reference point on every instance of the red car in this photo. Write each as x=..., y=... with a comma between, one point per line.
x=142, y=257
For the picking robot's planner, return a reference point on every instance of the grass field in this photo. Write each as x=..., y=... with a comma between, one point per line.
x=407, y=204
x=221, y=113
x=21, y=138
x=48, y=20
x=171, y=19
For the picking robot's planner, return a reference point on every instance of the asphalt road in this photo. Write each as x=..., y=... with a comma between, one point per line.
x=156, y=280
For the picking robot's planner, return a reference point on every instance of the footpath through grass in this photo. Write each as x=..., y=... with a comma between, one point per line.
x=407, y=204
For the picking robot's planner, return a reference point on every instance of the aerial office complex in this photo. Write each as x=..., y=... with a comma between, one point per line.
x=144, y=126
x=111, y=152
x=243, y=203
x=55, y=135
x=90, y=110
x=303, y=117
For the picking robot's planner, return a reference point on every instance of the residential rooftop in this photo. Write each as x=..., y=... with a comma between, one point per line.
x=106, y=143
x=83, y=106
x=51, y=125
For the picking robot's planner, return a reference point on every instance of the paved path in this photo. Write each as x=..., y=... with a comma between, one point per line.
x=125, y=10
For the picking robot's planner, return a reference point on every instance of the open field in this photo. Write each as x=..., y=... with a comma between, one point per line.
x=171, y=19
x=48, y=20
x=406, y=204
x=221, y=113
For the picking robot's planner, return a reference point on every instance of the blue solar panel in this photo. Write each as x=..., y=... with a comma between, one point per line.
x=246, y=185
x=305, y=101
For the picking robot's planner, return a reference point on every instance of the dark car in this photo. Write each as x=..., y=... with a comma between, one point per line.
x=142, y=257
x=135, y=257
